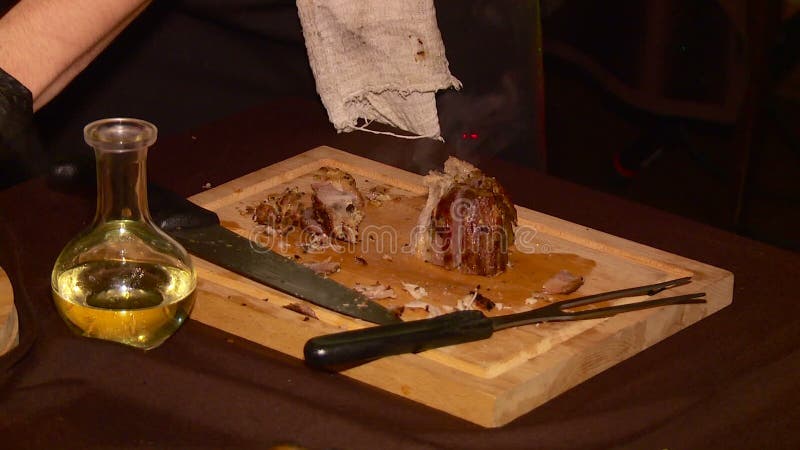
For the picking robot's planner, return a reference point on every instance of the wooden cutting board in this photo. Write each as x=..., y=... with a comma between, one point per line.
x=9, y=326
x=489, y=382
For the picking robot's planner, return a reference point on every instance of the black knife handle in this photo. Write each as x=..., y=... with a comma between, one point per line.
x=171, y=211
x=350, y=348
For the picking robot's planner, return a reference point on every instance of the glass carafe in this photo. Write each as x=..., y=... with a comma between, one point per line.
x=123, y=279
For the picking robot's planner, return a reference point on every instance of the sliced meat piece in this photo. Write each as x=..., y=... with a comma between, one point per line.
x=309, y=223
x=563, y=282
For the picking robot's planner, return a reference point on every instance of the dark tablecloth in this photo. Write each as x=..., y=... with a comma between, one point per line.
x=729, y=381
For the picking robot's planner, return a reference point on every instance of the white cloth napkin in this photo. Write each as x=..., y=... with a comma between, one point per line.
x=377, y=60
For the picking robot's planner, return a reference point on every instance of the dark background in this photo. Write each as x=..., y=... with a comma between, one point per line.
x=685, y=105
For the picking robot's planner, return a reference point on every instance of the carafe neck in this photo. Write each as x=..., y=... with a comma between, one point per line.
x=120, y=148
x=121, y=185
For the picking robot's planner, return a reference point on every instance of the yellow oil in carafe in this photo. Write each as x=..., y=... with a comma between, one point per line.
x=134, y=303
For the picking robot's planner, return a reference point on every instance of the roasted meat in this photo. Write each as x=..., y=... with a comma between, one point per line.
x=338, y=205
x=281, y=213
x=468, y=221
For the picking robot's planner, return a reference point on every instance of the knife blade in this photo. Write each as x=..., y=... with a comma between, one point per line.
x=200, y=232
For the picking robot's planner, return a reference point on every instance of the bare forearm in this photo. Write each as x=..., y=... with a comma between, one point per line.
x=45, y=43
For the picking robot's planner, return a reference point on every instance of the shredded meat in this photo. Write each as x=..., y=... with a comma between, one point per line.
x=281, y=213
x=338, y=205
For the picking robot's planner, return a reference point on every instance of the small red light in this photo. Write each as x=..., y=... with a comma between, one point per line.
x=473, y=136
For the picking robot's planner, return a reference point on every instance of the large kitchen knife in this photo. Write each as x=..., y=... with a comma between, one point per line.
x=200, y=232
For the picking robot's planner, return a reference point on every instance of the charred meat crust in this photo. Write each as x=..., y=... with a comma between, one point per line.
x=282, y=212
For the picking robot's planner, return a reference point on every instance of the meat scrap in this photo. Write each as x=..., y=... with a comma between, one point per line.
x=483, y=303
x=563, y=282
x=475, y=300
x=468, y=221
x=314, y=243
x=417, y=309
x=465, y=302
x=378, y=194
x=537, y=297
x=418, y=292
x=325, y=267
x=313, y=237
x=337, y=203
x=375, y=291
x=301, y=309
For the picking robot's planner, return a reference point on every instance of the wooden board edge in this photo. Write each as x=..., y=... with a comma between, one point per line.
x=485, y=402
x=288, y=331
x=625, y=336
x=301, y=164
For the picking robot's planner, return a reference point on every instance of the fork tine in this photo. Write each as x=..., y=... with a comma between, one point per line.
x=617, y=309
x=650, y=289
